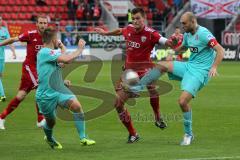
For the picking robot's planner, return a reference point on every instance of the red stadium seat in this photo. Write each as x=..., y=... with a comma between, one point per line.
x=39, y=9
x=8, y=9
x=11, y=2
x=32, y=2
x=3, y=2
x=65, y=16
x=30, y=8
x=62, y=2
x=2, y=9
x=60, y=9
x=25, y=2
x=145, y=3
x=14, y=16
x=21, y=16
x=23, y=9
x=15, y=9
x=52, y=9
x=63, y=23
x=28, y=16
x=45, y=9
x=18, y=2
x=6, y=16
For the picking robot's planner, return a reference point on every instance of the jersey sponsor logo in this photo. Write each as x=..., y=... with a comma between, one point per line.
x=149, y=29
x=35, y=40
x=193, y=49
x=143, y=38
x=38, y=47
x=134, y=44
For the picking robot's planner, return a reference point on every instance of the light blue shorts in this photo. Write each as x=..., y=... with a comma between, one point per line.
x=189, y=82
x=48, y=106
x=2, y=64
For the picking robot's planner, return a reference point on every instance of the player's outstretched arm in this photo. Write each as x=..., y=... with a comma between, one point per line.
x=9, y=41
x=115, y=32
x=219, y=57
x=67, y=58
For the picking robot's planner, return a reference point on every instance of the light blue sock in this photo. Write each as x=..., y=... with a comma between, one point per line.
x=48, y=132
x=80, y=124
x=187, y=121
x=1, y=88
x=151, y=76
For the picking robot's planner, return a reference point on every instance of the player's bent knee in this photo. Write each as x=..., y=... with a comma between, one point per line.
x=182, y=102
x=75, y=106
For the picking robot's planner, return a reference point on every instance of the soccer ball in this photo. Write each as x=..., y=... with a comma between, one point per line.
x=130, y=77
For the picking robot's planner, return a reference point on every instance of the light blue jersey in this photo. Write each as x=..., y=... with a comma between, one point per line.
x=4, y=34
x=194, y=73
x=202, y=56
x=51, y=90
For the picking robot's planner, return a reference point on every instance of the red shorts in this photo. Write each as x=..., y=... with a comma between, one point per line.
x=29, y=80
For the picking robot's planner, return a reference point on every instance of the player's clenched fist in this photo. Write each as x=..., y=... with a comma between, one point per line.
x=81, y=43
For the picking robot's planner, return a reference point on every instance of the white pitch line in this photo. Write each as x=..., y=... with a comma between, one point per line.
x=212, y=158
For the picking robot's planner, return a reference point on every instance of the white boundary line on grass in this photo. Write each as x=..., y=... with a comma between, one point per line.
x=212, y=158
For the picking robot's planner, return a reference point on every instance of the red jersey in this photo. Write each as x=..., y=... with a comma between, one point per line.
x=139, y=46
x=34, y=44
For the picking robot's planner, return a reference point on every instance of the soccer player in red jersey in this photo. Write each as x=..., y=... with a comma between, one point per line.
x=29, y=80
x=140, y=40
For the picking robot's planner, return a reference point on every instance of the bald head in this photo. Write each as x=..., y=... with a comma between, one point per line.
x=188, y=21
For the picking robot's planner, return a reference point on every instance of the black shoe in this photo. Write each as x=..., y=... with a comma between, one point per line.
x=161, y=124
x=132, y=139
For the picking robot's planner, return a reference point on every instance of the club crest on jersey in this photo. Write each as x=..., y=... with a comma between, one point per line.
x=143, y=38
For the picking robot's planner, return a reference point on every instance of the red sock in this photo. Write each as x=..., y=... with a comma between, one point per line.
x=11, y=107
x=126, y=120
x=155, y=106
x=39, y=115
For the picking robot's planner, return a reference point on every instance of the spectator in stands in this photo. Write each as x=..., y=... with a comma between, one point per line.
x=72, y=6
x=41, y=2
x=34, y=17
x=152, y=5
x=87, y=13
x=79, y=12
x=68, y=40
x=96, y=12
x=69, y=27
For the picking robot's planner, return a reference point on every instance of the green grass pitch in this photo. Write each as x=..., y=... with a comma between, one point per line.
x=215, y=123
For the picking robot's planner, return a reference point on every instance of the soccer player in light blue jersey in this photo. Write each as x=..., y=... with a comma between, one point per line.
x=4, y=34
x=206, y=55
x=52, y=92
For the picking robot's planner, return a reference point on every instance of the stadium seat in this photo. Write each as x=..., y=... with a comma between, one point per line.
x=8, y=9
x=18, y=2
x=11, y=2
x=60, y=9
x=63, y=23
x=6, y=16
x=14, y=16
x=22, y=16
x=3, y=2
x=45, y=9
x=15, y=9
x=23, y=9
x=2, y=9
x=52, y=9
x=32, y=2
x=65, y=16
x=30, y=8
x=62, y=2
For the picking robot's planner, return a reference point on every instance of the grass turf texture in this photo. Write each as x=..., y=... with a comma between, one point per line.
x=215, y=123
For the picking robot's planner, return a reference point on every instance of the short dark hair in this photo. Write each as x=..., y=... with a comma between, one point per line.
x=177, y=27
x=139, y=10
x=48, y=34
